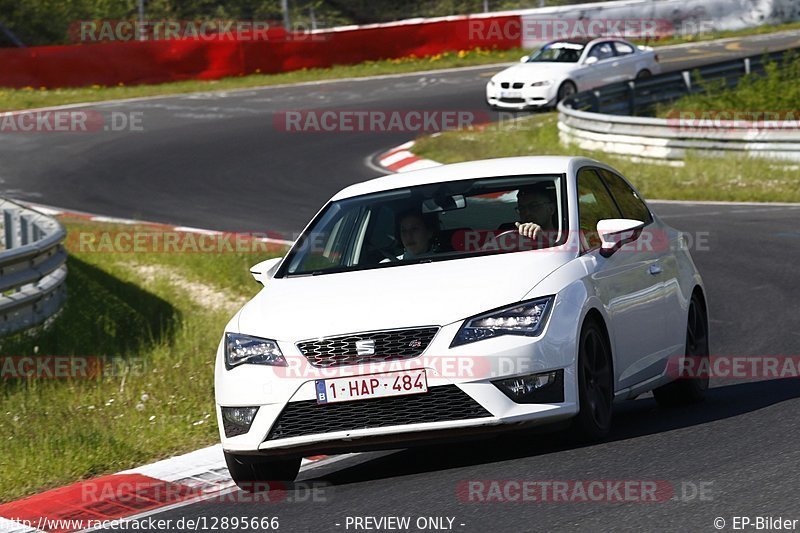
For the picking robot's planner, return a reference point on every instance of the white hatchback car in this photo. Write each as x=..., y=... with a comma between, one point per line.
x=561, y=68
x=412, y=309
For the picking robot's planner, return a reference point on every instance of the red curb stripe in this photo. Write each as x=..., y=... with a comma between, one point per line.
x=403, y=163
x=105, y=498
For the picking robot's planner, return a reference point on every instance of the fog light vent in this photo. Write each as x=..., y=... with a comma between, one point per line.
x=547, y=387
x=237, y=420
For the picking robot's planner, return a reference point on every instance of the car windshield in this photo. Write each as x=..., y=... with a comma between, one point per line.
x=433, y=222
x=558, y=53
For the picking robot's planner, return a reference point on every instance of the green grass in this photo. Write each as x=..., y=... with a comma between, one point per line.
x=159, y=316
x=725, y=179
x=777, y=91
x=33, y=97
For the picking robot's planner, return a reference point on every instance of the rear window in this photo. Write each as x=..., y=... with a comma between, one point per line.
x=623, y=49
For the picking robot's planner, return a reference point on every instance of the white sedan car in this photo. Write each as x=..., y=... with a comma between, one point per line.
x=412, y=308
x=562, y=68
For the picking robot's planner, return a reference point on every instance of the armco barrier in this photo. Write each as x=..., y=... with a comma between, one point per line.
x=33, y=269
x=129, y=62
x=610, y=119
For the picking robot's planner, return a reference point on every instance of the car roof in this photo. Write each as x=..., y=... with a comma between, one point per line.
x=575, y=40
x=487, y=168
x=585, y=41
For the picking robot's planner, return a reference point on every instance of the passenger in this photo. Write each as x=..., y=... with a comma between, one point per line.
x=417, y=232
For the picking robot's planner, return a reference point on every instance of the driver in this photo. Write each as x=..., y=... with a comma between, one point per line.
x=536, y=205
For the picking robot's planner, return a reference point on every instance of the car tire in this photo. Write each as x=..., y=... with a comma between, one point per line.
x=566, y=90
x=684, y=390
x=643, y=74
x=595, y=384
x=253, y=473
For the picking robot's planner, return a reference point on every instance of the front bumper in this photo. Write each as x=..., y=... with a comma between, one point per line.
x=462, y=376
x=520, y=99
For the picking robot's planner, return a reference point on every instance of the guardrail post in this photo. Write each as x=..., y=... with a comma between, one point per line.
x=10, y=225
x=631, y=98
x=687, y=80
x=747, y=65
x=25, y=230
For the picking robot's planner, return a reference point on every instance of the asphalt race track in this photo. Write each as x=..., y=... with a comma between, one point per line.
x=215, y=160
x=736, y=453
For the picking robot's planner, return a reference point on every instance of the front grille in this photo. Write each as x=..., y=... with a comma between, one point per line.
x=513, y=100
x=504, y=85
x=439, y=404
x=388, y=346
x=518, y=85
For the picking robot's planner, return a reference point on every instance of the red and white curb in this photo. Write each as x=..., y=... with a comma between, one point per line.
x=402, y=159
x=196, y=476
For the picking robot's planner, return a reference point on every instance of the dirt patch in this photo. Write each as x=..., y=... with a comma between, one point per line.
x=200, y=293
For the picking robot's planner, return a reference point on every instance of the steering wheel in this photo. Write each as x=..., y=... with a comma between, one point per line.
x=390, y=257
x=370, y=249
x=497, y=242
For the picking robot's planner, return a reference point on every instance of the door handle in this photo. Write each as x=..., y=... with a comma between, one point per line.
x=655, y=269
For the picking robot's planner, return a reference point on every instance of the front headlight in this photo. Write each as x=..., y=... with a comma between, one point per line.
x=526, y=318
x=545, y=83
x=492, y=83
x=241, y=349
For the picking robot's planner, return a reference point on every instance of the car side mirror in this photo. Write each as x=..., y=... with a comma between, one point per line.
x=263, y=271
x=524, y=59
x=617, y=232
x=590, y=60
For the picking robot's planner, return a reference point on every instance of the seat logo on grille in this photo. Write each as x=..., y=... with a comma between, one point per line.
x=365, y=347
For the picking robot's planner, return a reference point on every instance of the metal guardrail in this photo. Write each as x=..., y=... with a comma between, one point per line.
x=614, y=118
x=33, y=269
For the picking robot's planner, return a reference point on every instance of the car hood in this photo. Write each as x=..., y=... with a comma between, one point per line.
x=534, y=72
x=438, y=293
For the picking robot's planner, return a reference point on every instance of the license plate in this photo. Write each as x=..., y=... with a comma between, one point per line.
x=510, y=94
x=372, y=386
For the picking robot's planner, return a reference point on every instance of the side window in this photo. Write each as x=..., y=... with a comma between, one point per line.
x=623, y=49
x=594, y=205
x=380, y=236
x=327, y=250
x=628, y=201
x=602, y=51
